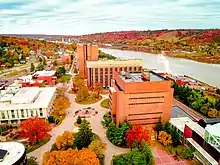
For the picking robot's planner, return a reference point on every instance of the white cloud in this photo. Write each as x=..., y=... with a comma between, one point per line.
x=86, y=16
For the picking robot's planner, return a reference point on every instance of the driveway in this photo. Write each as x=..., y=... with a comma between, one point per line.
x=68, y=124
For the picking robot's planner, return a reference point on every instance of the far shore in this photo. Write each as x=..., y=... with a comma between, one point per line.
x=206, y=59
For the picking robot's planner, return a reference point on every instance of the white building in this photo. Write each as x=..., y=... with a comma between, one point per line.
x=12, y=153
x=27, y=102
x=185, y=127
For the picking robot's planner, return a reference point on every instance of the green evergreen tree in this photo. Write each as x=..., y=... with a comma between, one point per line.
x=84, y=137
x=167, y=127
x=175, y=137
x=32, y=67
x=159, y=126
x=78, y=120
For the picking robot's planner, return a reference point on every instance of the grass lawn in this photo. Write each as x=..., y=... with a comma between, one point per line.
x=90, y=101
x=14, y=73
x=64, y=78
x=38, y=145
x=105, y=103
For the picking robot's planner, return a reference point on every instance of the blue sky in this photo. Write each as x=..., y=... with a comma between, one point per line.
x=75, y=17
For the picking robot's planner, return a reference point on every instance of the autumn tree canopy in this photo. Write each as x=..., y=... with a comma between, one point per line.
x=71, y=157
x=65, y=140
x=137, y=134
x=35, y=129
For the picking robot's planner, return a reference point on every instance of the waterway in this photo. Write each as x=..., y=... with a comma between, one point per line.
x=208, y=73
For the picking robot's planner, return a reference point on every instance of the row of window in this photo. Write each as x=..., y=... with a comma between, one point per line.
x=146, y=103
x=148, y=113
x=153, y=118
x=155, y=97
x=3, y=116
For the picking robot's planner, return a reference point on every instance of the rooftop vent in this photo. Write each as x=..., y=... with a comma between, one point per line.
x=127, y=76
x=145, y=77
x=123, y=73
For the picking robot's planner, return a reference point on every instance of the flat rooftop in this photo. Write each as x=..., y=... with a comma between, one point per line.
x=25, y=95
x=41, y=99
x=15, y=152
x=44, y=73
x=182, y=121
x=137, y=77
x=114, y=63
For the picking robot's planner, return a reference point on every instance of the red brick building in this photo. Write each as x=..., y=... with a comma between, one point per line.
x=100, y=71
x=47, y=76
x=86, y=53
x=140, y=98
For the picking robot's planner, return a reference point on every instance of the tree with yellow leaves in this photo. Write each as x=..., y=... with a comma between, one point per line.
x=97, y=146
x=65, y=140
x=71, y=157
x=165, y=138
x=213, y=113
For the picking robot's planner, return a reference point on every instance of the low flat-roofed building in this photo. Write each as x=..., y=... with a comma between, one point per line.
x=140, y=98
x=48, y=76
x=14, y=153
x=101, y=71
x=27, y=102
x=193, y=135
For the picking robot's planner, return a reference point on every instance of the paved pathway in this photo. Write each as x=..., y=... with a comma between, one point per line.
x=68, y=124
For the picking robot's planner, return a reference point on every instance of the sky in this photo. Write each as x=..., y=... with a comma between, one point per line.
x=77, y=17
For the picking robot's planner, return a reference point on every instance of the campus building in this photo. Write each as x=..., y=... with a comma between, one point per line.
x=47, y=76
x=85, y=53
x=140, y=98
x=101, y=71
x=17, y=105
x=205, y=142
x=12, y=153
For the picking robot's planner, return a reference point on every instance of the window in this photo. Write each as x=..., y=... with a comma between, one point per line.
x=41, y=112
x=3, y=115
x=12, y=114
x=22, y=113
x=145, y=103
x=32, y=113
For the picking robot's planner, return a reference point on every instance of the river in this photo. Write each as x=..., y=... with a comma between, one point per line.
x=208, y=73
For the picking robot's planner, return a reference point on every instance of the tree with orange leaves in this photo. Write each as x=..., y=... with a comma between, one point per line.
x=137, y=134
x=98, y=89
x=65, y=140
x=35, y=129
x=71, y=157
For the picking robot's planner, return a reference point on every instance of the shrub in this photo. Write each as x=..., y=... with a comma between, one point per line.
x=53, y=148
x=165, y=138
x=106, y=119
x=137, y=156
x=99, y=148
x=184, y=153
x=51, y=119
x=117, y=134
x=79, y=120
x=57, y=121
